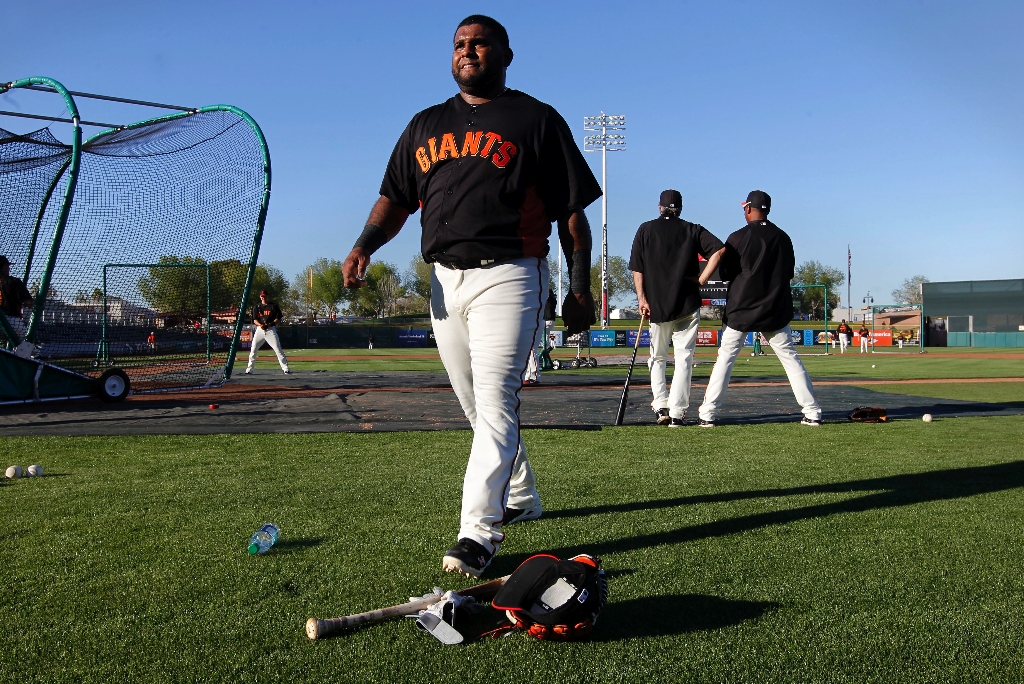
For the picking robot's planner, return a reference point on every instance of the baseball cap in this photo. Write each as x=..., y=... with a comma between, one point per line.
x=671, y=199
x=263, y=293
x=4, y=261
x=759, y=199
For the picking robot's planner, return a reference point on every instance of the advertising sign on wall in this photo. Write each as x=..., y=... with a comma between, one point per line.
x=245, y=339
x=412, y=338
x=621, y=338
x=572, y=340
x=882, y=338
x=808, y=337
x=602, y=338
x=707, y=338
x=645, y=338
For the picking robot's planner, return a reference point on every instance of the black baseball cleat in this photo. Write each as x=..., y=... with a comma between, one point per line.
x=661, y=415
x=813, y=422
x=518, y=515
x=706, y=423
x=678, y=422
x=467, y=558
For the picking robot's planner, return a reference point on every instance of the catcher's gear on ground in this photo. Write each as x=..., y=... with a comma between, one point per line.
x=554, y=599
x=869, y=414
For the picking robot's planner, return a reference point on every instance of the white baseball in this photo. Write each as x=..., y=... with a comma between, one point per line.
x=927, y=417
x=35, y=471
x=13, y=472
x=872, y=365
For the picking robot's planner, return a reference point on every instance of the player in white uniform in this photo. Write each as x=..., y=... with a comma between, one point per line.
x=490, y=169
x=265, y=316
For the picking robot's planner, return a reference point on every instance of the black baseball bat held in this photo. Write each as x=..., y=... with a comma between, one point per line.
x=625, y=390
x=318, y=628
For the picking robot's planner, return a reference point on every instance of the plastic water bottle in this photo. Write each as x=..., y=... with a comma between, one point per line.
x=264, y=538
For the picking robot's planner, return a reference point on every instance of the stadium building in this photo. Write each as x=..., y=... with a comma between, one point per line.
x=974, y=313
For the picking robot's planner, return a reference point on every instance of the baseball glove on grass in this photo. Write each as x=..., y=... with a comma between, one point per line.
x=869, y=414
x=554, y=599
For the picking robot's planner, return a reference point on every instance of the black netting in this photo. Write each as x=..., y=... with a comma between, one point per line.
x=176, y=205
x=29, y=168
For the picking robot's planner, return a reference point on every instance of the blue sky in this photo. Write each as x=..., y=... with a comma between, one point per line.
x=894, y=126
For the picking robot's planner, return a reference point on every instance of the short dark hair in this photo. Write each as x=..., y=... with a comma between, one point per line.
x=493, y=24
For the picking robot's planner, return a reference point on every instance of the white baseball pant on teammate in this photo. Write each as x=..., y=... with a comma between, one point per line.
x=844, y=342
x=486, y=322
x=683, y=333
x=259, y=336
x=782, y=342
x=532, y=367
x=863, y=344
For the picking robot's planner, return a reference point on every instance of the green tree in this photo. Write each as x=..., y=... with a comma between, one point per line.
x=417, y=287
x=910, y=291
x=275, y=283
x=172, y=289
x=380, y=295
x=812, y=301
x=620, y=283
x=320, y=288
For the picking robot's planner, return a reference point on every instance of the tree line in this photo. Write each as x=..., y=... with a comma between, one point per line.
x=318, y=290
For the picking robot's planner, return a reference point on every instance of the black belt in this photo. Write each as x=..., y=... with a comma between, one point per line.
x=461, y=265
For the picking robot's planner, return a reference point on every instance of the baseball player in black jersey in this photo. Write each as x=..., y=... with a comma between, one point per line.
x=489, y=169
x=13, y=297
x=668, y=279
x=265, y=317
x=759, y=263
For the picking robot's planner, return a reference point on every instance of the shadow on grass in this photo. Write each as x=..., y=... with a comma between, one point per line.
x=652, y=616
x=887, y=492
x=294, y=545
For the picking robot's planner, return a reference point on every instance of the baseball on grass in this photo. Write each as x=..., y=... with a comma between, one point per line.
x=13, y=472
x=872, y=365
x=927, y=417
x=35, y=471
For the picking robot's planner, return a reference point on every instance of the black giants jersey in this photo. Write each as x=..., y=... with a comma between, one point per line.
x=665, y=250
x=489, y=178
x=759, y=262
x=267, y=314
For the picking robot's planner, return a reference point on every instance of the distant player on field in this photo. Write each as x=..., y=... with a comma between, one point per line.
x=489, y=170
x=265, y=317
x=865, y=338
x=845, y=333
x=667, y=277
x=759, y=264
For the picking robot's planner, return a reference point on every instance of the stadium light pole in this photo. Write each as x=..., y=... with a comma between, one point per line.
x=870, y=301
x=604, y=142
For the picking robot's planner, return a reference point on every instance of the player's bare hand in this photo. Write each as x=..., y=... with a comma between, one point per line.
x=354, y=268
x=645, y=308
x=578, y=312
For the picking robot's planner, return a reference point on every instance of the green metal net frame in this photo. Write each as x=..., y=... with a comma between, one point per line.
x=72, y=169
x=103, y=352
x=825, y=287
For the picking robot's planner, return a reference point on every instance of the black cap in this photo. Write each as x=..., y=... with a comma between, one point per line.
x=671, y=199
x=759, y=199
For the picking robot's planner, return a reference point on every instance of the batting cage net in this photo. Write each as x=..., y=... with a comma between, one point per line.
x=150, y=271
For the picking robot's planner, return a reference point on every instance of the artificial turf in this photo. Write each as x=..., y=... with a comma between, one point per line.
x=767, y=553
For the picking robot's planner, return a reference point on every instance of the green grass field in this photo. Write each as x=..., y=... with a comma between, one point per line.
x=770, y=553
x=848, y=366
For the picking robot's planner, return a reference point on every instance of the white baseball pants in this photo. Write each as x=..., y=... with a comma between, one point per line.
x=782, y=342
x=259, y=336
x=844, y=342
x=863, y=344
x=486, y=321
x=683, y=334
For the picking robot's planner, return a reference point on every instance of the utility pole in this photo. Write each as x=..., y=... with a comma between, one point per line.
x=604, y=142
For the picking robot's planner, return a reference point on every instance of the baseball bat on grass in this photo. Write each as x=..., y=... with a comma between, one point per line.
x=318, y=629
x=625, y=390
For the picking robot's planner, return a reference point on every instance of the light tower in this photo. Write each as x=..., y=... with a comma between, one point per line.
x=604, y=142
